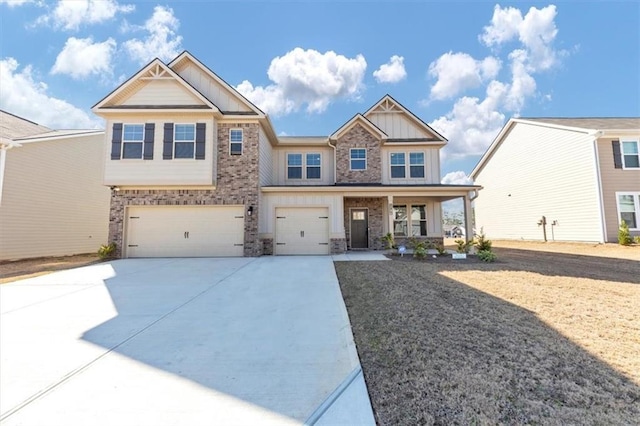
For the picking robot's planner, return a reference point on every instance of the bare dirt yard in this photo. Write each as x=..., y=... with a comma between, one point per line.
x=27, y=268
x=548, y=334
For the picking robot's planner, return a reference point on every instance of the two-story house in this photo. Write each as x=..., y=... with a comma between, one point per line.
x=565, y=179
x=197, y=170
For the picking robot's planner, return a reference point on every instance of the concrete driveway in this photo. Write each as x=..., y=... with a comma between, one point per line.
x=181, y=342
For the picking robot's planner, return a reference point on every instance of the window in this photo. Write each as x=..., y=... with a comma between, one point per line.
x=235, y=141
x=294, y=166
x=184, y=138
x=358, y=159
x=313, y=166
x=397, y=165
x=132, y=139
x=416, y=222
x=630, y=154
x=629, y=208
x=416, y=164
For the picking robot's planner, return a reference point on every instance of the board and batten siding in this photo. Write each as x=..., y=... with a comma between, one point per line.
x=614, y=180
x=53, y=200
x=326, y=167
x=431, y=162
x=265, y=164
x=397, y=126
x=162, y=92
x=159, y=171
x=271, y=201
x=214, y=91
x=540, y=171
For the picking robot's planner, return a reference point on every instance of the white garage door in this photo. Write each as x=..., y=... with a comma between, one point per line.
x=302, y=230
x=185, y=231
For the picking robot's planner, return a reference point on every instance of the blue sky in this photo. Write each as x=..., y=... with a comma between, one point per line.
x=463, y=67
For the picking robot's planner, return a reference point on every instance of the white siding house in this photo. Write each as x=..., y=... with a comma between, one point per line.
x=53, y=201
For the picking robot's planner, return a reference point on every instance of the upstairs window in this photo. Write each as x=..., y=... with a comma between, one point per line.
x=235, y=141
x=313, y=166
x=305, y=166
x=397, y=165
x=358, y=159
x=630, y=154
x=294, y=166
x=416, y=165
x=132, y=140
x=184, y=140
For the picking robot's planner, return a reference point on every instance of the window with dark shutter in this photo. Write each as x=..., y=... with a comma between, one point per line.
x=116, y=141
x=201, y=131
x=167, y=142
x=149, y=130
x=617, y=155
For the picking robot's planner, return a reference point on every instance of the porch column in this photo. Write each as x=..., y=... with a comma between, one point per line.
x=468, y=218
x=390, y=214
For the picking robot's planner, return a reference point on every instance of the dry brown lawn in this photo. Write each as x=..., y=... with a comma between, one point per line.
x=541, y=336
x=27, y=268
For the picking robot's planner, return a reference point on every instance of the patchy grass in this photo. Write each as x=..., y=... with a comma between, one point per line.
x=28, y=268
x=536, y=338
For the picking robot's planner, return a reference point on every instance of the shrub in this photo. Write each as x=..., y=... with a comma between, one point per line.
x=636, y=240
x=420, y=250
x=441, y=250
x=481, y=242
x=487, y=256
x=388, y=240
x=107, y=251
x=624, y=237
x=463, y=246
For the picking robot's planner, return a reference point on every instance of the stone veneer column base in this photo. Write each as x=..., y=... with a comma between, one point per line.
x=338, y=245
x=267, y=246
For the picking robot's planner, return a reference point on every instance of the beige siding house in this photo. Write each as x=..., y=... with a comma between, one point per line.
x=52, y=198
x=563, y=179
x=195, y=169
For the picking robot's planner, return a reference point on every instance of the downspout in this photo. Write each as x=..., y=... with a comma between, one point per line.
x=4, y=147
x=603, y=226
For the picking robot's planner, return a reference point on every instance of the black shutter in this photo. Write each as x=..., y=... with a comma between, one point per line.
x=149, y=130
x=617, y=155
x=167, y=149
x=116, y=141
x=201, y=130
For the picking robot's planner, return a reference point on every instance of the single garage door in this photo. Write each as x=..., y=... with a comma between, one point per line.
x=185, y=231
x=303, y=230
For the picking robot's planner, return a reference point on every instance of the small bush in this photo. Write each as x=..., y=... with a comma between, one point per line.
x=463, y=246
x=624, y=237
x=487, y=256
x=636, y=240
x=441, y=250
x=107, y=251
x=389, y=241
x=481, y=242
x=420, y=250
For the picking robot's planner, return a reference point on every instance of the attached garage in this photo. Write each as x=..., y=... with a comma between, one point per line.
x=184, y=231
x=302, y=230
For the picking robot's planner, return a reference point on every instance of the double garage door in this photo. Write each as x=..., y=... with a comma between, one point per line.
x=185, y=231
x=302, y=230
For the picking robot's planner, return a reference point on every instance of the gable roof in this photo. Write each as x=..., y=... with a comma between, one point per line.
x=156, y=69
x=414, y=118
x=588, y=125
x=359, y=119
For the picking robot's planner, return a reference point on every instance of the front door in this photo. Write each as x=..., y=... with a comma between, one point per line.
x=359, y=228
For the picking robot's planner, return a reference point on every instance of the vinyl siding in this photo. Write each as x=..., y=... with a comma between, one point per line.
x=265, y=163
x=540, y=171
x=159, y=171
x=397, y=125
x=53, y=200
x=162, y=92
x=212, y=90
x=270, y=202
x=620, y=180
x=326, y=168
x=431, y=160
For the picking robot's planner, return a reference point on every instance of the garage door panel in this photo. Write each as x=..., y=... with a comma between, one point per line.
x=185, y=231
x=302, y=231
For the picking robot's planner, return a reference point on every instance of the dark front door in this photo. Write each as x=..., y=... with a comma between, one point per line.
x=359, y=228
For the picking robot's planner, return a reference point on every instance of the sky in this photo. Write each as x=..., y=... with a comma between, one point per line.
x=463, y=67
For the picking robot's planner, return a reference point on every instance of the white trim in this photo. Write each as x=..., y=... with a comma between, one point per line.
x=636, y=206
x=622, y=141
x=241, y=142
x=601, y=212
x=358, y=118
x=357, y=159
x=351, y=233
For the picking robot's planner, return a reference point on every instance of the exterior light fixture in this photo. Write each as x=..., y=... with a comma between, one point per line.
x=250, y=211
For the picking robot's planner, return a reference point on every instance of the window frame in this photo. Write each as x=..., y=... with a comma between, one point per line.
x=318, y=166
x=232, y=142
x=297, y=166
x=351, y=159
x=624, y=156
x=398, y=166
x=124, y=141
x=408, y=208
x=175, y=141
x=636, y=205
x=424, y=167
x=407, y=165
x=303, y=166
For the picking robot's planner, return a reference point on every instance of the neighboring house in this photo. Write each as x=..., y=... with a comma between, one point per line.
x=52, y=199
x=581, y=174
x=197, y=170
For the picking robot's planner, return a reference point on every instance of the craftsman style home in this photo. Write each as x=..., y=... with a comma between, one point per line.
x=565, y=179
x=197, y=170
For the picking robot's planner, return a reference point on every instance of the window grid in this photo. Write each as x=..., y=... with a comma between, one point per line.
x=416, y=165
x=630, y=154
x=294, y=166
x=358, y=159
x=184, y=140
x=304, y=166
x=236, y=139
x=629, y=209
x=398, y=165
x=132, y=141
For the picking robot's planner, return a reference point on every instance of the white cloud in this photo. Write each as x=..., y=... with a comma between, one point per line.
x=456, y=72
x=391, y=72
x=81, y=57
x=71, y=14
x=24, y=96
x=307, y=77
x=162, y=40
x=14, y=3
x=457, y=178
